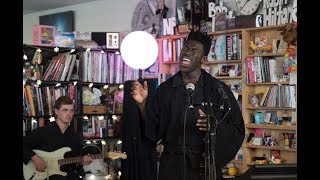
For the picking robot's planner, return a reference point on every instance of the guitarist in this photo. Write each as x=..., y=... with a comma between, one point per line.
x=53, y=136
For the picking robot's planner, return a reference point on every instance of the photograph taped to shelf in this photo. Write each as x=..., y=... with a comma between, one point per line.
x=112, y=40
x=224, y=69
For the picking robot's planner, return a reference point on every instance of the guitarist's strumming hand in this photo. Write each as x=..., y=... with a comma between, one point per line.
x=87, y=159
x=39, y=163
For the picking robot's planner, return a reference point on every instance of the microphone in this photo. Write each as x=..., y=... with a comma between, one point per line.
x=190, y=87
x=223, y=94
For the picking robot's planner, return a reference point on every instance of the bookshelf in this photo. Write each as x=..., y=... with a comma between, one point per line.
x=97, y=123
x=227, y=66
x=169, y=48
x=278, y=99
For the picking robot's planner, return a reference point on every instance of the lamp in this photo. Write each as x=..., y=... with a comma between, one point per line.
x=139, y=50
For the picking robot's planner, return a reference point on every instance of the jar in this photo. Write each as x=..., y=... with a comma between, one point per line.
x=258, y=118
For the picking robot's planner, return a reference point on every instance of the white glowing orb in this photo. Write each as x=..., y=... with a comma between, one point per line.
x=139, y=50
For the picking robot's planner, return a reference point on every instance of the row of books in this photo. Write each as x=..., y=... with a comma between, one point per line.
x=225, y=47
x=61, y=67
x=105, y=68
x=279, y=96
x=171, y=49
x=264, y=69
x=30, y=124
x=39, y=101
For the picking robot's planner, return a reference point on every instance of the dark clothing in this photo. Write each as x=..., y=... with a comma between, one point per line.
x=141, y=163
x=49, y=138
x=165, y=120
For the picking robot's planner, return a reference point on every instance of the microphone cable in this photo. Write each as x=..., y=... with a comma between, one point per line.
x=184, y=141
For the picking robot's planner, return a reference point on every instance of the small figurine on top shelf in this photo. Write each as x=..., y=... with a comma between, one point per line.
x=260, y=49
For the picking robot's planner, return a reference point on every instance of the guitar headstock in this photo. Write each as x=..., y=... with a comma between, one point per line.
x=116, y=155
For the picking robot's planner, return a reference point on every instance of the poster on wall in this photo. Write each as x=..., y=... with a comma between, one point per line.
x=63, y=21
x=149, y=14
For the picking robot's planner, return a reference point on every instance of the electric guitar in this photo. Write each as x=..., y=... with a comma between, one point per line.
x=56, y=158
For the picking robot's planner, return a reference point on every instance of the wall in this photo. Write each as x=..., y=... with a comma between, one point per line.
x=98, y=16
x=103, y=15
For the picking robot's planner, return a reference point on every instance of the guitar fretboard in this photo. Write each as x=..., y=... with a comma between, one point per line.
x=78, y=159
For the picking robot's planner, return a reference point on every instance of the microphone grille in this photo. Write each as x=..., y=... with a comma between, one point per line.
x=190, y=87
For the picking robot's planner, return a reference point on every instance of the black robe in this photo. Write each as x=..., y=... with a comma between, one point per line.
x=141, y=162
x=165, y=120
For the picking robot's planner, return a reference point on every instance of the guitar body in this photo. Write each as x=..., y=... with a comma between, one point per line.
x=51, y=160
x=55, y=159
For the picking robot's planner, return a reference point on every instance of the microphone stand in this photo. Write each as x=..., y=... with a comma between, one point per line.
x=210, y=141
x=189, y=105
x=209, y=164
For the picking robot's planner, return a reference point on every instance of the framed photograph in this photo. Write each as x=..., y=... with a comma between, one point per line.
x=112, y=40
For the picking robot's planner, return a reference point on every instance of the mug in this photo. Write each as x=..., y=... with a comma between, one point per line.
x=258, y=118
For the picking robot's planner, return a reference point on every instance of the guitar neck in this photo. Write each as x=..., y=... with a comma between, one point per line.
x=78, y=159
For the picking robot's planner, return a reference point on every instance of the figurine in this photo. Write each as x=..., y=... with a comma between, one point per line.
x=264, y=48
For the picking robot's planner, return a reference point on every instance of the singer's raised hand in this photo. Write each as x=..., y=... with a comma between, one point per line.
x=202, y=121
x=139, y=92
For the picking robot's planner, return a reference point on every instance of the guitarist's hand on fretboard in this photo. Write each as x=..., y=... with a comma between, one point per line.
x=87, y=159
x=39, y=163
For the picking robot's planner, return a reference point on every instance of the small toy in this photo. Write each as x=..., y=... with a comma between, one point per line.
x=264, y=48
x=289, y=33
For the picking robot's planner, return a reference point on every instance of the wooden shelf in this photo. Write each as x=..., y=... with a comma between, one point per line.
x=248, y=34
x=170, y=62
x=270, y=147
x=270, y=108
x=266, y=54
x=271, y=126
x=266, y=83
x=222, y=62
x=228, y=77
x=225, y=32
x=236, y=161
x=150, y=77
x=184, y=35
x=265, y=28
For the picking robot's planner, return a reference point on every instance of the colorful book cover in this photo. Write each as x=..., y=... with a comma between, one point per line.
x=220, y=48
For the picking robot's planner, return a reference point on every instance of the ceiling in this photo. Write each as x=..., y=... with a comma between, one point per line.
x=31, y=6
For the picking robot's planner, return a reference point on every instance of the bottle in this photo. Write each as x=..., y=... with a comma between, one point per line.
x=284, y=118
x=37, y=71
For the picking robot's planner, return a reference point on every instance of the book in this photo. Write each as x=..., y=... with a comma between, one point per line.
x=276, y=70
x=265, y=94
x=220, y=47
x=220, y=22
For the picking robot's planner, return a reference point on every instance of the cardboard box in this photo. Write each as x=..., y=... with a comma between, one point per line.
x=43, y=35
x=97, y=109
